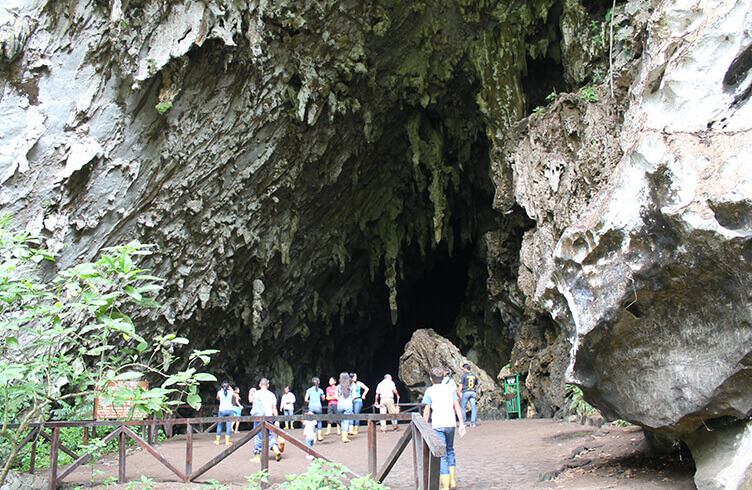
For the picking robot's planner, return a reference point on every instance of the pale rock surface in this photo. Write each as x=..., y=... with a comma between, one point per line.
x=427, y=350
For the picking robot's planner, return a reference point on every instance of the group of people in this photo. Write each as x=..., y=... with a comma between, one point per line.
x=444, y=400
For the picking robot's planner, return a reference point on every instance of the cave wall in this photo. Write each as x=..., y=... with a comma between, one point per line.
x=286, y=157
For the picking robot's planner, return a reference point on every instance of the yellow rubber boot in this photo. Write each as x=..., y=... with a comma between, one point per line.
x=216, y=441
x=338, y=431
x=319, y=436
x=328, y=430
x=256, y=458
x=281, y=444
x=356, y=430
x=344, y=437
x=227, y=441
x=444, y=481
x=351, y=431
x=452, y=481
x=277, y=452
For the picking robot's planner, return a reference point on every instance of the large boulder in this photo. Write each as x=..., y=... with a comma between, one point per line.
x=722, y=451
x=426, y=350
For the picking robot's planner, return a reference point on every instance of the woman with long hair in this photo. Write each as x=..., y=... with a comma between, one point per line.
x=361, y=390
x=225, y=396
x=345, y=397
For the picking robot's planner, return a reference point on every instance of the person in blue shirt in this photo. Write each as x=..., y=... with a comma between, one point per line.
x=313, y=397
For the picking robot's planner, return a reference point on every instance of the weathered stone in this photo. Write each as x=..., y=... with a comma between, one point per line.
x=427, y=350
x=17, y=480
x=722, y=451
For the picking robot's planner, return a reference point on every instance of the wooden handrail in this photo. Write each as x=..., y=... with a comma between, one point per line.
x=436, y=445
x=426, y=456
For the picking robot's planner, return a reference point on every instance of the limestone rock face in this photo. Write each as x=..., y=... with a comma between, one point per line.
x=427, y=350
x=647, y=272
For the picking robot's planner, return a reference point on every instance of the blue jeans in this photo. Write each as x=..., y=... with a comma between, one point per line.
x=446, y=434
x=317, y=410
x=224, y=413
x=257, y=441
x=469, y=396
x=347, y=410
x=357, y=407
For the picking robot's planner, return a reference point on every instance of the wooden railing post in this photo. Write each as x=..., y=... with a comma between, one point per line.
x=121, y=457
x=264, y=446
x=372, y=449
x=188, y=452
x=53, y=457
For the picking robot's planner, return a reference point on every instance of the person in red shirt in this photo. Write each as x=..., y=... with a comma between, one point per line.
x=331, y=398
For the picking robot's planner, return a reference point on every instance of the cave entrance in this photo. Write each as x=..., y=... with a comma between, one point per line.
x=431, y=294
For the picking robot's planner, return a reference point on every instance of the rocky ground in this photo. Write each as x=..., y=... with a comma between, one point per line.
x=538, y=453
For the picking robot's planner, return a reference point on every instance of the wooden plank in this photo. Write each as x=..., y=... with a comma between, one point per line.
x=303, y=446
x=33, y=459
x=404, y=417
x=416, y=439
x=265, y=446
x=53, y=457
x=426, y=483
x=157, y=455
x=372, y=462
x=121, y=457
x=188, y=452
x=434, y=464
x=61, y=446
x=86, y=457
x=394, y=456
x=221, y=456
x=434, y=442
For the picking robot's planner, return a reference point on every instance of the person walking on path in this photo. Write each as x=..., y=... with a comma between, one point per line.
x=449, y=380
x=441, y=404
x=225, y=396
x=264, y=403
x=386, y=394
x=331, y=408
x=313, y=397
x=345, y=397
x=309, y=432
x=361, y=390
x=237, y=407
x=288, y=406
x=468, y=385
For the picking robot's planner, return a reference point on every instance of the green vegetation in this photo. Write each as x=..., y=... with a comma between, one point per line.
x=68, y=339
x=577, y=403
x=588, y=94
x=163, y=107
x=322, y=474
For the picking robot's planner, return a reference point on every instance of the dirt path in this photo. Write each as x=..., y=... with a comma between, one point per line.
x=517, y=454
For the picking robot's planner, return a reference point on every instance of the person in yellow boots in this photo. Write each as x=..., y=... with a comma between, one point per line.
x=361, y=390
x=264, y=403
x=345, y=397
x=225, y=396
x=331, y=408
x=441, y=403
x=313, y=397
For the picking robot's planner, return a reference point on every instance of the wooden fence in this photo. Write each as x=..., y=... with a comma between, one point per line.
x=427, y=446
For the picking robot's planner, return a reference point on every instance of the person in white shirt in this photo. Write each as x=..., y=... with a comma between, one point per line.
x=386, y=394
x=264, y=403
x=224, y=395
x=288, y=406
x=442, y=403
